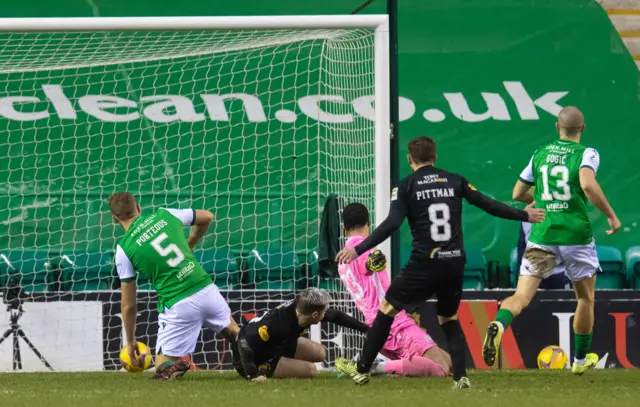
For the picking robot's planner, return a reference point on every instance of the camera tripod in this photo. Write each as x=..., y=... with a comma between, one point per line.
x=15, y=312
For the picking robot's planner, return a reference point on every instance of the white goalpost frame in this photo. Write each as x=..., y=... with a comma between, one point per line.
x=379, y=22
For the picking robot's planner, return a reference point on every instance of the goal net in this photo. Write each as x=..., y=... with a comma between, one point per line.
x=259, y=125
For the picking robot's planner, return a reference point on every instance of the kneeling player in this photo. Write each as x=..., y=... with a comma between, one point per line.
x=154, y=244
x=411, y=350
x=270, y=345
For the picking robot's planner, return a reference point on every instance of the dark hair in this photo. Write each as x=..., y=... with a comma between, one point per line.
x=312, y=300
x=422, y=150
x=123, y=205
x=355, y=215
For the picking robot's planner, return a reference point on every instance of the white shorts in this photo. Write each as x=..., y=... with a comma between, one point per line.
x=579, y=262
x=179, y=326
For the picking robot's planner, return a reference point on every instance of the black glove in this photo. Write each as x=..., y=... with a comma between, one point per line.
x=376, y=262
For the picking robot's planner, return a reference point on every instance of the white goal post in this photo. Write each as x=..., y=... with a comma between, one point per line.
x=257, y=118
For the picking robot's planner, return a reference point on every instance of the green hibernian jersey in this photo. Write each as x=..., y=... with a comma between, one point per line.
x=554, y=172
x=155, y=245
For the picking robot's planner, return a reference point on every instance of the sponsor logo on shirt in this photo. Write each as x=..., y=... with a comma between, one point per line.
x=449, y=254
x=430, y=179
x=556, y=206
x=186, y=270
x=394, y=194
x=263, y=333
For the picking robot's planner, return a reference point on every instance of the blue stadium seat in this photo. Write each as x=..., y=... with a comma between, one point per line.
x=613, y=275
x=222, y=266
x=475, y=270
x=30, y=269
x=92, y=271
x=273, y=269
x=633, y=267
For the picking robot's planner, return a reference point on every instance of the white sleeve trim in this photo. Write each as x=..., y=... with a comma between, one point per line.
x=123, y=265
x=527, y=173
x=186, y=216
x=591, y=159
x=526, y=228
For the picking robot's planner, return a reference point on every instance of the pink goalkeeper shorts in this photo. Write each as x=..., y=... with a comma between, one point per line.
x=407, y=342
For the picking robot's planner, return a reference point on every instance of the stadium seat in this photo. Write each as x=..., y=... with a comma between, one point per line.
x=613, y=275
x=222, y=266
x=273, y=269
x=85, y=271
x=475, y=270
x=513, y=267
x=30, y=269
x=633, y=267
x=327, y=283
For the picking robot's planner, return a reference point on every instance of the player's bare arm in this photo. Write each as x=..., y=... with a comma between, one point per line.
x=596, y=196
x=129, y=311
x=201, y=223
x=522, y=192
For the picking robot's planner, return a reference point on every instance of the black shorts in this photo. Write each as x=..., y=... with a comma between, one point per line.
x=420, y=281
x=267, y=365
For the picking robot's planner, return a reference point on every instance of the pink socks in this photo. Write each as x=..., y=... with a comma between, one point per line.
x=416, y=366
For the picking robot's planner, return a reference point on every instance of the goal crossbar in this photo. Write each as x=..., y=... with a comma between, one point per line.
x=173, y=108
x=377, y=21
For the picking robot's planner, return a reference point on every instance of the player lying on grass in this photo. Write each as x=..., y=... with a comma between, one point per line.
x=563, y=174
x=154, y=244
x=411, y=350
x=270, y=345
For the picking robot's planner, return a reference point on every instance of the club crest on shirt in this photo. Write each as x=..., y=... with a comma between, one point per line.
x=264, y=368
x=263, y=333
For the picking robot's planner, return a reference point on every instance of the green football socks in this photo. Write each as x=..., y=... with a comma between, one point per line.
x=505, y=317
x=582, y=344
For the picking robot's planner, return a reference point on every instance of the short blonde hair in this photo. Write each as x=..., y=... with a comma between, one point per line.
x=123, y=205
x=313, y=300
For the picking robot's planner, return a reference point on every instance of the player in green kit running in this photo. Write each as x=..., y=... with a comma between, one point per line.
x=154, y=244
x=563, y=176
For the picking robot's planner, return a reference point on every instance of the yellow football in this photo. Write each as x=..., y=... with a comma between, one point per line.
x=552, y=357
x=145, y=357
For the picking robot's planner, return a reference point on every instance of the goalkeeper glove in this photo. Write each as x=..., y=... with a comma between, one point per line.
x=376, y=261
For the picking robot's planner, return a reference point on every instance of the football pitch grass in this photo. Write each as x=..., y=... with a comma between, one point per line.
x=612, y=388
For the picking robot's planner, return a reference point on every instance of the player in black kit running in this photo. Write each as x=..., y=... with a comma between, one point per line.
x=270, y=345
x=431, y=199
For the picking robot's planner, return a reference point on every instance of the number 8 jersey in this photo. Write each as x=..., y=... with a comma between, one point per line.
x=554, y=172
x=431, y=200
x=155, y=245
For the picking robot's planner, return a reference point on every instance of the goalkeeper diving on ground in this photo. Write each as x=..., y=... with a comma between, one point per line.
x=411, y=350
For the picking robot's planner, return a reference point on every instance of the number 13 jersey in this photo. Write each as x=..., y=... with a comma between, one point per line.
x=554, y=172
x=155, y=245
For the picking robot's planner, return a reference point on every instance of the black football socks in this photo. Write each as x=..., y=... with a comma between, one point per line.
x=376, y=337
x=457, y=348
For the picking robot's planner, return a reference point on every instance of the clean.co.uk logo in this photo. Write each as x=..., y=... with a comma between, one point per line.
x=322, y=108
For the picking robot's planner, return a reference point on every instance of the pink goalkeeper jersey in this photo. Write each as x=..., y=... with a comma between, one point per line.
x=368, y=289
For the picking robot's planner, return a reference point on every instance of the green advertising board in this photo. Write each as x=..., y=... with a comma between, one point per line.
x=485, y=79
